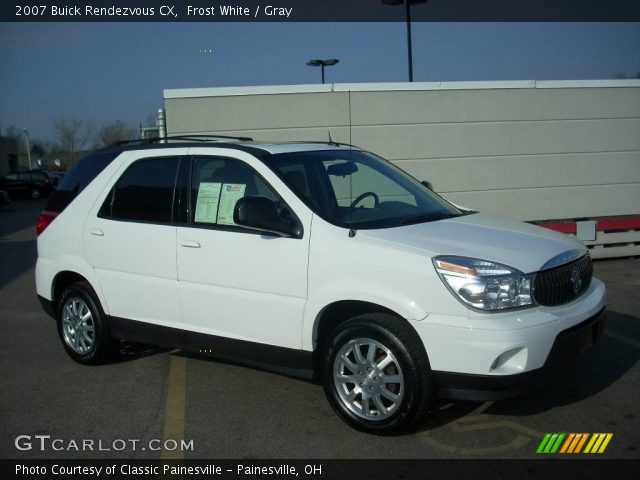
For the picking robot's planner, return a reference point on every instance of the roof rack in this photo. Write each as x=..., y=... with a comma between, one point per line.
x=188, y=138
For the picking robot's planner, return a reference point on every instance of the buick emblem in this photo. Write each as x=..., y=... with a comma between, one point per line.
x=576, y=280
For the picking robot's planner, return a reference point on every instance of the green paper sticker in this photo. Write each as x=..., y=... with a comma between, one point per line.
x=231, y=193
x=207, y=202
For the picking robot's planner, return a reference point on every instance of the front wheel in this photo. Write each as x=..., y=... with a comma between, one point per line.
x=36, y=193
x=82, y=325
x=376, y=374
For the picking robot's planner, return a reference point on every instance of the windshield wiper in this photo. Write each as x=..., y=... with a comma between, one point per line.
x=430, y=217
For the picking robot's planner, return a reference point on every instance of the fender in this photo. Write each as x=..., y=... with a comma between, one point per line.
x=374, y=293
x=70, y=263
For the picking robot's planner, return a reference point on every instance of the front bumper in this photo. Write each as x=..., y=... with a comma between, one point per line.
x=568, y=345
x=495, y=355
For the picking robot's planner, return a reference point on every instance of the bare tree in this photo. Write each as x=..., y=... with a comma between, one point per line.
x=11, y=132
x=72, y=135
x=623, y=75
x=115, y=132
x=151, y=119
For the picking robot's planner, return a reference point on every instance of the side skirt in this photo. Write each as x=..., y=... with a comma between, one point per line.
x=287, y=361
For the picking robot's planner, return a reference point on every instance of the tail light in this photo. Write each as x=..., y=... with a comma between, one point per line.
x=45, y=220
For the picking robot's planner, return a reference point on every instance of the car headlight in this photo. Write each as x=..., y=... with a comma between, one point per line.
x=484, y=285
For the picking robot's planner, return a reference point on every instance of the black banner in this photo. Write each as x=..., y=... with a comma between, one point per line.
x=322, y=469
x=320, y=11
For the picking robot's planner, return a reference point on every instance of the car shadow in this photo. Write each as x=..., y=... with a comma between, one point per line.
x=224, y=360
x=129, y=351
x=616, y=353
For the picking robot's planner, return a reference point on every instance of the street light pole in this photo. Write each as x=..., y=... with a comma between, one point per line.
x=26, y=134
x=409, y=49
x=323, y=63
x=408, y=4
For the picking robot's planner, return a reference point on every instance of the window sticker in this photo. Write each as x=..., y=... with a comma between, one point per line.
x=231, y=193
x=207, y=202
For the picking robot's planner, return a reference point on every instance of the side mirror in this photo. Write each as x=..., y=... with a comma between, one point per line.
x=260, y=213
x=427, y=184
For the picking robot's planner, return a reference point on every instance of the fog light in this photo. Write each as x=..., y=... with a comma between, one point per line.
x=511, y=361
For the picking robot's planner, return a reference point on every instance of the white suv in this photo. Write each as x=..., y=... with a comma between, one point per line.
x=318, y=260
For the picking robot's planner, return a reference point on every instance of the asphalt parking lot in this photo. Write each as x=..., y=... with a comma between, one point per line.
x=230, y=411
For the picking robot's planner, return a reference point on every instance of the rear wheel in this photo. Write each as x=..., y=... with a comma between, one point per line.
x=82, y=325
x=376, y=374
x=36, y=193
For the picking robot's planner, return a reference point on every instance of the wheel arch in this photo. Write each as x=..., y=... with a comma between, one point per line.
x=65, y=278
x=337, y=312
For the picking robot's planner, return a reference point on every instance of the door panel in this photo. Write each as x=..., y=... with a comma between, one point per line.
x=136, y=267
x=234, y=282
x=130, y=241
x=243, y=285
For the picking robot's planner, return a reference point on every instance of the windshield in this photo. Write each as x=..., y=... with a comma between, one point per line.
x=354, y=189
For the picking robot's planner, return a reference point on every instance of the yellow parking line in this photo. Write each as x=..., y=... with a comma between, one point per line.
x=175, y=407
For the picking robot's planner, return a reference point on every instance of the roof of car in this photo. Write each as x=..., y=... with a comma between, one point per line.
x=237, y=143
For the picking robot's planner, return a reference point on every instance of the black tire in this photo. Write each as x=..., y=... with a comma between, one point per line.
x=390, y=337
x=36, y=193
x=103, y=347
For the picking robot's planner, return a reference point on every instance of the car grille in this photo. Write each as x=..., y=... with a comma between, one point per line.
x=556, y=287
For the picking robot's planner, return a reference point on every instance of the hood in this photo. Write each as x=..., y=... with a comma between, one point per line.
x=516, y=244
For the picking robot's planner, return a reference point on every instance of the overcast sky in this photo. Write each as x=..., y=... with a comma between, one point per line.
x=102, y=72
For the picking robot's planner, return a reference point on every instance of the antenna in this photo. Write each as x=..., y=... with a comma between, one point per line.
x=350, y=142
x=329, y=132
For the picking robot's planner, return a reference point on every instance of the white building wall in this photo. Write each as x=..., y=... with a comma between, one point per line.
x=529, y=150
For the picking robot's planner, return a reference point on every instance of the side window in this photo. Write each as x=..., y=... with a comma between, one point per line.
x=144, y=192
x=81, y=175
x=12, y=177
x=217, y=184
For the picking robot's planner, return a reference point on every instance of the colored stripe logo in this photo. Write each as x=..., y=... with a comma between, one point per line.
x=574, y=443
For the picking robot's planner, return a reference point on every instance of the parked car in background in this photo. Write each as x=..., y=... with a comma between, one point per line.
x=5, y=199
x=57, y=178
x=33, y=183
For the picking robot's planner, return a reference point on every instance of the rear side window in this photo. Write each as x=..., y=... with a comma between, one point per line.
x=144, y=192
x=81, y=175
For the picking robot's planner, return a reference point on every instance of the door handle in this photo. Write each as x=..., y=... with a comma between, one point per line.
x=97, y=232
x=190, y=244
